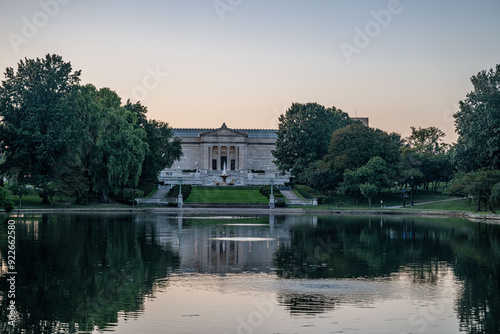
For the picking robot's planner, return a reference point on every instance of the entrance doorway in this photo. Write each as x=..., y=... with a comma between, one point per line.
x=223, y=161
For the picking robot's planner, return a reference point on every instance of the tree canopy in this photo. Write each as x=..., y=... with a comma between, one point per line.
x=71, y=139
x=478, y=124
x=354, y=145
x=37, y=129
x=304, y=133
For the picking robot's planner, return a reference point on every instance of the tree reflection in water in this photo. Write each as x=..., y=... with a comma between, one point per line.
x=374, y=248
x=76, y=272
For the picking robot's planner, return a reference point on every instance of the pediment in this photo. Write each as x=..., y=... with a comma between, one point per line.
x=223, y=131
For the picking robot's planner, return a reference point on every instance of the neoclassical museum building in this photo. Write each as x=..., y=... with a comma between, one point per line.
x=226, y=156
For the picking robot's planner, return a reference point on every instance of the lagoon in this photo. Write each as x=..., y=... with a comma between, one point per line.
x=181, y=273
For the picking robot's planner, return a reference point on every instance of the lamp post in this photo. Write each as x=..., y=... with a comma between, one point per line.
x=179, y=198
x=404, y=198
x=411, y=191
x=271, y=197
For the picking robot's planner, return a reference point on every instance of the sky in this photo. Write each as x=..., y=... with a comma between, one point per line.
x=199, y=63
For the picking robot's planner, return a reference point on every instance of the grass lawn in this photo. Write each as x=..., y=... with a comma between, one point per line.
x=389, y=200
x=456, y=205
x=234, y=195
x=34, y=201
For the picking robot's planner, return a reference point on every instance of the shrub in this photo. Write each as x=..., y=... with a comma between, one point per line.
x=328, y=200
x=186, y=191
x=280, y=204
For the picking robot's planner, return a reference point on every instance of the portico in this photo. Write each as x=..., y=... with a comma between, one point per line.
x=246, y=153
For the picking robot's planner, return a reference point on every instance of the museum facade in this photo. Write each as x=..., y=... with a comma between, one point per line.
x=225, y=156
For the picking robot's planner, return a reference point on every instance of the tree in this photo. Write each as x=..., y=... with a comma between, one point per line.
x=369, y=191
x=368, y=180
x=318, y=176
x=112, y=147
x=427, y=140
x=5, y=202
x=478, y=124
x=426, y=158
x=480, y=185
x=37, y=129
x=164, y=148
x=354, y=145
x=303, y=135
x=118, y=150
x=19, y=189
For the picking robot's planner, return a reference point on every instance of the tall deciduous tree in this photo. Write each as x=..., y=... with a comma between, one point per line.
x=164, y=148
x=304, y=134
x=427, y=140
x=478, y=124
x=368, y=180
x=354, y=145
x=36, y=126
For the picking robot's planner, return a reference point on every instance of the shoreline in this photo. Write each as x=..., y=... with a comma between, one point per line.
x=297, y=211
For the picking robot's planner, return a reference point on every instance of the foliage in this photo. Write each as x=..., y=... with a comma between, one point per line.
x=185, y=190
x=369, y=190
x=308, y=192
x=164, y=148
x=368, y=180
x=354, y=145
x=5, y=202
x=427, y=140
x=72, y=140
x=266, y=191
x=19, y=189
x=478, y=124
x=304, y=133
x=318, y=176
x=37, y=132
x=481, y=185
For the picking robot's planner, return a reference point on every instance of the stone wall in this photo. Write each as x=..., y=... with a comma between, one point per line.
x=260, y=157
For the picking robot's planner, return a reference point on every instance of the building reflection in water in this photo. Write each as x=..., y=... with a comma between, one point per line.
x=226, y=244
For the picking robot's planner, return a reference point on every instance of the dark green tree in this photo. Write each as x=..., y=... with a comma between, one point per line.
x=318, y=176
x=37, y=129
x=304, y=133
x=5, y=202
x=478, y=124
x=480, y=185
x=427, y=140
x=368, y=180
x=164, y=148
x=354, y=145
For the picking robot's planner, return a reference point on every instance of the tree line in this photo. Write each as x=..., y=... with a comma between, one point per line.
x=327, y=150
x=62, y=137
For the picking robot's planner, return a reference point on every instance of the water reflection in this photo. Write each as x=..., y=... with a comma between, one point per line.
x=81, y=272
x=76, y=272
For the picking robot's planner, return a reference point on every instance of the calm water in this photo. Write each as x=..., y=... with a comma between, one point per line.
x=160, y=273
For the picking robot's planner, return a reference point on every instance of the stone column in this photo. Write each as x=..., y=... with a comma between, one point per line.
x=210, y=157
x=237, y=157
x=218, y=158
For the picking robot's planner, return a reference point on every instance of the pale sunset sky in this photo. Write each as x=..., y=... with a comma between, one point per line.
x=199, y=63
